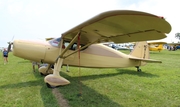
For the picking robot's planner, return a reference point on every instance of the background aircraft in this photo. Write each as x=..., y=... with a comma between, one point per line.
x=173, y=46
x=80, y=46
x=156, y=46
x=124, y=46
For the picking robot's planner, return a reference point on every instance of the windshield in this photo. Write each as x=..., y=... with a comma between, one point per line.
x=55, y=42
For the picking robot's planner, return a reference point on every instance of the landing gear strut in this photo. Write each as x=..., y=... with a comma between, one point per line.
x=138, y=69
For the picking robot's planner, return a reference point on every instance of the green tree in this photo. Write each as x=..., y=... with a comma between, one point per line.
x=177, y=36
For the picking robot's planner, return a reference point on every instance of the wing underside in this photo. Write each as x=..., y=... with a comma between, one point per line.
x=120, y=26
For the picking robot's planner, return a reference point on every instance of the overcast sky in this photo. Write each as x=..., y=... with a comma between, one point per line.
x=39, y=19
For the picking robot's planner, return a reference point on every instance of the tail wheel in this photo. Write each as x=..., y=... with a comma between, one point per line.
x=138, y=69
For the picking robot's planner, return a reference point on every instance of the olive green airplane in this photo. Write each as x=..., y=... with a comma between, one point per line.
x=82, y=45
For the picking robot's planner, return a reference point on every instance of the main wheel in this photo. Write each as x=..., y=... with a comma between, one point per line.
x=49, y=86
x=53, y=81
x=43, y=71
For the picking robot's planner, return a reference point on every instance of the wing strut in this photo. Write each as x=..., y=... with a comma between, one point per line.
x=70, y=44
x=81, y=48
x=55, y=80
x=66, y=49
x=98, y=40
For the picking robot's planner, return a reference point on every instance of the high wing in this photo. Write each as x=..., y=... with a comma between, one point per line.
x=120, y=26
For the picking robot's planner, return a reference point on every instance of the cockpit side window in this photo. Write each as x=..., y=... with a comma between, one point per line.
x=55, y=43
x=74, y=46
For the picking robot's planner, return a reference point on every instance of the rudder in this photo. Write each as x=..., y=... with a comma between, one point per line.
x=141, y=50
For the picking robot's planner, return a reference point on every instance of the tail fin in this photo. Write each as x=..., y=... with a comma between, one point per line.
x=160, y=46
x=140, y=50
x=141, y=53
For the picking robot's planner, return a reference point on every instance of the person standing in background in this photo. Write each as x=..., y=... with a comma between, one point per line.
x=5, y=55
x=34, y=64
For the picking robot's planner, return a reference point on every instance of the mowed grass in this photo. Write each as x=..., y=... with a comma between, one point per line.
x=21, y=87
x=158, y=85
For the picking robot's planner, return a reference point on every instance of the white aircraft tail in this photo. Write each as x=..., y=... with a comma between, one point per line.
x=141, y=53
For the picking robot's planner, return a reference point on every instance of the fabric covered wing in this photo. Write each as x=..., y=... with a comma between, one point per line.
x=120, y=26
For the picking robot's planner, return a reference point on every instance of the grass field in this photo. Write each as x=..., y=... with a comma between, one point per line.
x=158, y=85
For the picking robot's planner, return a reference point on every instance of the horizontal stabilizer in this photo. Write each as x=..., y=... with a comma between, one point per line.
x=146, y=60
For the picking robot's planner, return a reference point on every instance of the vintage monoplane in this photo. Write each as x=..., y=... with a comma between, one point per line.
x=156, y=46
x=80, y=46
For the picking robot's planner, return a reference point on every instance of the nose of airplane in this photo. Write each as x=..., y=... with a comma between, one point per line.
x=27, y=49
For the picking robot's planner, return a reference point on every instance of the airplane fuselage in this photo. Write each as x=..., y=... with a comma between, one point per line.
x=95, y=56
